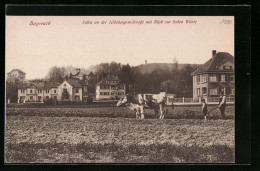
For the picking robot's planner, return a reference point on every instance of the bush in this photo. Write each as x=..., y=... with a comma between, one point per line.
x=89, y=100
x=48, y=101
x=69, y=102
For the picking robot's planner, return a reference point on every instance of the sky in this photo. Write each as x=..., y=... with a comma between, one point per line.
x=69, y=40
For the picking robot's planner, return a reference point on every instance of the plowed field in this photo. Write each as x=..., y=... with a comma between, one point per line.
x=109, y=134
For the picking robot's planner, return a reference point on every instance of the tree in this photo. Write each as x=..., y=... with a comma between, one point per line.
x=92, y=82
x=11, y=92
x=114, y=68
x=65, y=94
x=56, y=74
x=127, y=76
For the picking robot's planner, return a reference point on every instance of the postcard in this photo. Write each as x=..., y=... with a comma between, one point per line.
x=120, y=89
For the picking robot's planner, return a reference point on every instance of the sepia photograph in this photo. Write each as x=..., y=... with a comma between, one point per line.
x=119, y=89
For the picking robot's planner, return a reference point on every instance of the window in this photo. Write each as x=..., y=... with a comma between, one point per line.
x=120, y=93
x=54, y=91
x=213, y=78
x=47, y=91
x=31, y=92
x=213, y=91
x=104, y=93
x=203, y=78
x=64, y=90
x=231, y=78
x=39, y=98
x=39, y=91
x=47, y=97
x=55, y=97
x=198, y=79
x=232, y=91
x=22, y=91
x=113, y=93
x=77, y=90
x=223, y=78
x=198, y=91
x=64, y=85
x=227, y=67
x=223, y=89
x=204, y=90
x=31, y=97
x=121, y=87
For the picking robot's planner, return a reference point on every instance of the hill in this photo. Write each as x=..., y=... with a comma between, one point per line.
x=148, y=68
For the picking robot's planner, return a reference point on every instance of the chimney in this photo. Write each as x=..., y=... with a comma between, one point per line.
x=213, y=53
x=145, y=62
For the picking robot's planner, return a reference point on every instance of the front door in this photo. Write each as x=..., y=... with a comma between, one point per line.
x=22, y=98
x=31, y=98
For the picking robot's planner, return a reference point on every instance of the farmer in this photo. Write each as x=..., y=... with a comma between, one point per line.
x=222, y=103
x=204, y=108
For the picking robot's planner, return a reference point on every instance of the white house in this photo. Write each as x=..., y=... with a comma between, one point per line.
x=51, y=90
x=31, y=92
x=110, y=88
x=70, y=90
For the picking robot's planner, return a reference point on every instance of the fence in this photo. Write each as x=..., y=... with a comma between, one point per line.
x=179, y=100
x=216, y=99
x=184, y=100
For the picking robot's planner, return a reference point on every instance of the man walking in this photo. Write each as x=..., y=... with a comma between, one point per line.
x=222, y=103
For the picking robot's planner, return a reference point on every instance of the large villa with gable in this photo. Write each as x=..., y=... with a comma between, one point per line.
x=110, y=88
x=216, y=75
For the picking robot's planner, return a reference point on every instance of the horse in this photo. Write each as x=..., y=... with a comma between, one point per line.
x=137, y=108
x=156, y=102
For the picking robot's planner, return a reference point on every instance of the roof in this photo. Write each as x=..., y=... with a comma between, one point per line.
x=38, y=84
x=74, y=82
x=83, y=82
x=50, y=85
x=90, y=74
x=210, y=65
x=75, y=72
x=18, y=70
x=22, y=85
x=109, y=78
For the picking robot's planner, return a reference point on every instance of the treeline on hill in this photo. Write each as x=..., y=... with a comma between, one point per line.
x=174, y=80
